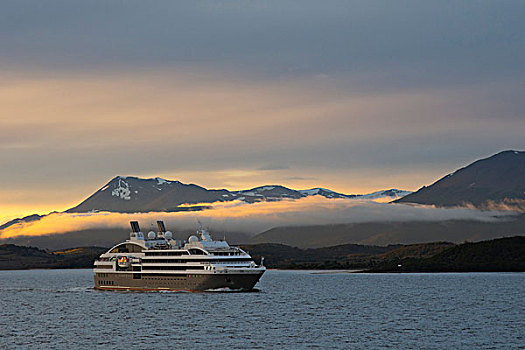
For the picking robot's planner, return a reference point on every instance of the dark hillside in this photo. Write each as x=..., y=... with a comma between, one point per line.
x=347, y=256
x=13, y=257
x=384, y=233
x=504, y=254
x=497, y=179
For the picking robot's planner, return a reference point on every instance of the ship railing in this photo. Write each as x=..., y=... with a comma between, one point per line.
x=229, y=262
x=134, y=260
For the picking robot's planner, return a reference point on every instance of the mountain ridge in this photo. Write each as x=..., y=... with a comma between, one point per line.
x=120, y=194
x=384, y=233
x=498, y=180
x=135, y=194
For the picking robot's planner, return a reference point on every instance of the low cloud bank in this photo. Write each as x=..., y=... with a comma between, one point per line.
x=508, y=204
x=238, y=216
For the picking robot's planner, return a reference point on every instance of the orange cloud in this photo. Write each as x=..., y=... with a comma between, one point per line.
x=252, y=218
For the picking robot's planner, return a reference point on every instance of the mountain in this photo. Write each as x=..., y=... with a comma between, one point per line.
x=29, y=218
x=388, y=194
x=384, y=233
x=326, y=193
x=280, y=192
x=495, y=181
x=128, y=194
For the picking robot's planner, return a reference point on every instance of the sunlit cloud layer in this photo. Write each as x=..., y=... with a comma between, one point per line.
x=238, y=216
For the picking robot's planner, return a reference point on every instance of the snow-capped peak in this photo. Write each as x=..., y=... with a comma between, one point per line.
x=161, y=181
x=265, y=188
x=393, y=193
x=314, y=191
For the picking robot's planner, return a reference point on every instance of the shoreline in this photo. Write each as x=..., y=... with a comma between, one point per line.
x=312, y=271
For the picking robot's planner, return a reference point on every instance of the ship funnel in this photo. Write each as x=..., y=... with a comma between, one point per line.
x=135, y=226
x=161, y=226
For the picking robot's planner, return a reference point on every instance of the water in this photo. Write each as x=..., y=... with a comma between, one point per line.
x=58, y=309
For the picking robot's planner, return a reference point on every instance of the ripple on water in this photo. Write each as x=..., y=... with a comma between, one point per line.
x=292, y=309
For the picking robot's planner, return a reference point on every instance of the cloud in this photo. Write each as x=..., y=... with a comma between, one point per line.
x=507, y=204
x=424, y=42
x=273, y=167
x=357, y=96
x=68, y=127
x=299, y=178
x=253, y=218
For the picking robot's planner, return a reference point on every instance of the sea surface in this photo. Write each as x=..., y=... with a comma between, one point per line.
x=58, y=309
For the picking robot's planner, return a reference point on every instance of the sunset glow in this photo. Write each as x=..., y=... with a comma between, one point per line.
x=252, y=218
x=78, y=107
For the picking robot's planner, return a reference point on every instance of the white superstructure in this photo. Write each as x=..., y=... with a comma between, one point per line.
x=157, y=261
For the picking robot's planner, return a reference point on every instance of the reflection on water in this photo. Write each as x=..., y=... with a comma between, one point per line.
x=292, y=309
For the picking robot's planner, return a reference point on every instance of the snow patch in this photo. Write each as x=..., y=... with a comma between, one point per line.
x=161, y=181
x=122, y=190
x=311, y=192
x=318, y=190
x=265, y=188
x=382, y=194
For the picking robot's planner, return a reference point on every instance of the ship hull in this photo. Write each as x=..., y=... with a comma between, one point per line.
x=176, y=282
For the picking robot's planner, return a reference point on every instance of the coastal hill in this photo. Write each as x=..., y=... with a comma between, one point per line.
x=497, y=181
x=384, y=233
x=504, y=254
x=13, y=257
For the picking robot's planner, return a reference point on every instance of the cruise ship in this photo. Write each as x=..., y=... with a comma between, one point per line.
x=159, y=262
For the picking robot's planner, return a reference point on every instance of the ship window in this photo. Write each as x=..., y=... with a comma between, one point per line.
x=166, y=253
x=122, y=249
x=104, y=266
x=197, y=252
x=133, y=248
x=127, y=248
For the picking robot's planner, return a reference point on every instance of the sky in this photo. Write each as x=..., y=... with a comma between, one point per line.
x=355, y=96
